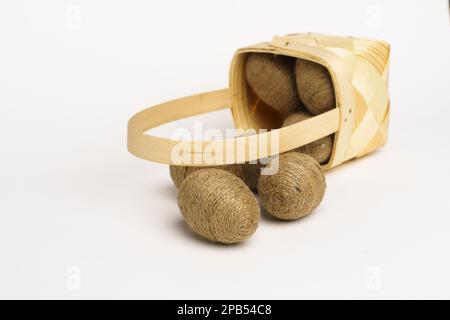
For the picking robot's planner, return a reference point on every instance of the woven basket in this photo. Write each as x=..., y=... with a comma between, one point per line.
x=358, y=69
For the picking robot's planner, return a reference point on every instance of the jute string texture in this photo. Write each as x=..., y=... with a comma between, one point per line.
x=218, y=206
x=179, y=173
x=314, y=86
x=295, y=190
x=320, y=149
x=272, y=79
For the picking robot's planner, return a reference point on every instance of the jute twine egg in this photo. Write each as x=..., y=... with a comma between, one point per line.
x=295, y=190
x=314, y=86
x=272, y=78
x=320, y=149
x=179, y=173
x=218, y=206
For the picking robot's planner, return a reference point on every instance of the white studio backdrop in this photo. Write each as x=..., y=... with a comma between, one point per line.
x=82, y=218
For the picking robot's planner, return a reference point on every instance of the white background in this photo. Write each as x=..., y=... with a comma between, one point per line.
x=82, y=218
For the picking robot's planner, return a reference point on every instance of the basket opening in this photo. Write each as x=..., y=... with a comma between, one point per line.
x=253, y=110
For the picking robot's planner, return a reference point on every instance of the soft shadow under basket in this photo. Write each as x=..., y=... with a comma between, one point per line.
x=359, y=72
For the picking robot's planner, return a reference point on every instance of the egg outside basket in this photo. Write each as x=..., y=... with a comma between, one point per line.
x=359, y=72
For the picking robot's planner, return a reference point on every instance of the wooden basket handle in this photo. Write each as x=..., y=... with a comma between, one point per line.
x=160, y=149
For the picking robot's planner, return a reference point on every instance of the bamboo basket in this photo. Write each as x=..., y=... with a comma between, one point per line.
x=359, y=72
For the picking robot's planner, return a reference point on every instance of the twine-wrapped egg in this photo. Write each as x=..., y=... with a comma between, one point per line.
x=320, y=149
x=295, y=190
x=179, y=173
x=272, y=78
x=218, y=206
x=314, y=86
